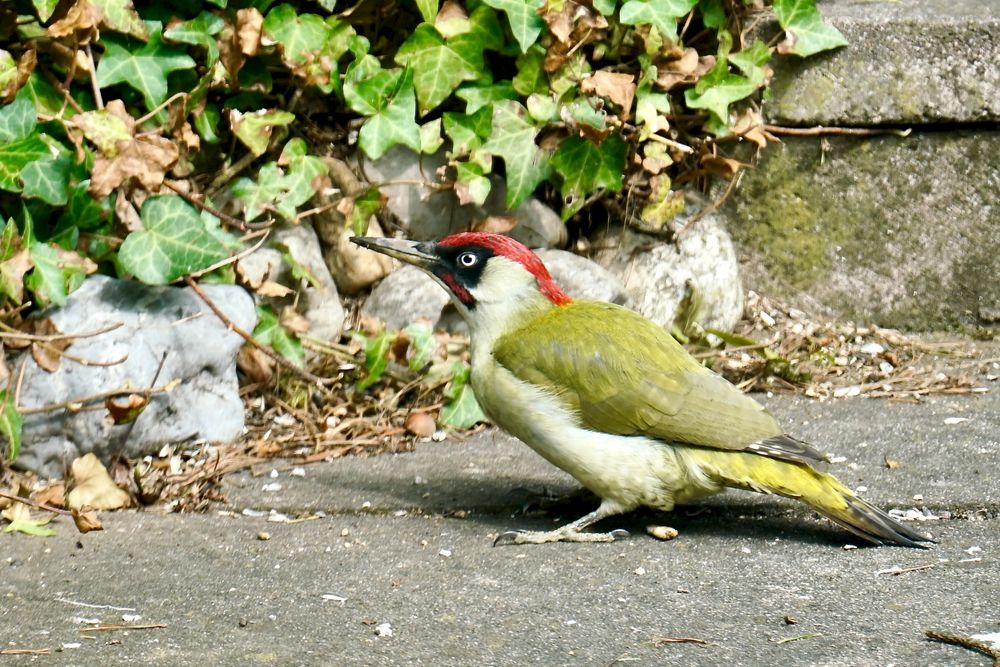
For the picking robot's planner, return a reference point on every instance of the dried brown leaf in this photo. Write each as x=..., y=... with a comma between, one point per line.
x=249, y=23
x=269, y=288
x=12, y=272
x=93, y=486
x=725, y=167
x=496, y=224
x=146, y=158
x=86, y=519
x=616, y=86
x=125, y=408
x=81, y=19
x=420, y=424
x=53, y=495
x=255, y=365
x=25, y=66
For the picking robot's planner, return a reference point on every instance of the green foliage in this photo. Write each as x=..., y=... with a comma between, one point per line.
x=10, y=423
x=270, y=331
x=107, y=104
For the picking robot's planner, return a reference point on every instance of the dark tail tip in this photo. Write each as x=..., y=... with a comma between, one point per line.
x=871, y=523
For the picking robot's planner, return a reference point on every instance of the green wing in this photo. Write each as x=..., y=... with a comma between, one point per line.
x=624, y=374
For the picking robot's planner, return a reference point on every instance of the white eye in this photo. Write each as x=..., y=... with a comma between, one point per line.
x=468, y=259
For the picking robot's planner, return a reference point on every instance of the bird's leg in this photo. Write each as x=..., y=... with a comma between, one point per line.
x=571, y=532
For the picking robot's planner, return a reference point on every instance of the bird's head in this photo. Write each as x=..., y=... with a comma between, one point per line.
x=488, y=276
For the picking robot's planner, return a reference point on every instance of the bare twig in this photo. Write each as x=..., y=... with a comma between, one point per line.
x=98, y=100
x=234, y=258
x=111, y=627
x=35, y=504
x=903, y=570
x=165, y=103
x=94, y=606
x=95, y=398
x=823, y=130
x=229, y=172
x=24, y=651
x=235, y=222
x=711, y=208
x=232, y=326
x=17, y=335
x=966, y=642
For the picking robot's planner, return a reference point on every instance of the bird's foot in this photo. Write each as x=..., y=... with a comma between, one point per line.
x=558, y=535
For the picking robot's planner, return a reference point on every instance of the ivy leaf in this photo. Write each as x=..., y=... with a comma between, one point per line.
x=423, y=344
x=752, y=59
x=467, y=131
x=48, y=179
x=17, y=120
x=438, y=66
x=605, y=7
x=10, y=424
x=477, y=97
x=719, y=88
x=463, y=410
x=359, y=210
x=471, y=185
x=377, y=350
x=531, y=77
x=46, y=99
x=120, y=16
x=260, y=195
x=15, y=156
x=47, y=280
x=270, y=331
x=513, y=139
x=143, y=67
x=428, y=9
x=388, y=99
x=585, y=168
x=805, y=31
x=311, y=45
x=661, y=13
x=430, y=137
x=44, y=8
x=254, y=129
x=522, y=15
x=173, y=243
x=21, y=522
x=199, y=31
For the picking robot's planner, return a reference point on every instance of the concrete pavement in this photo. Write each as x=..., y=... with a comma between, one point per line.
x=404, y=547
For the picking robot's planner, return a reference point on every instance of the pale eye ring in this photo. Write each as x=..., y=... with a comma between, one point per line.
x=468, y=259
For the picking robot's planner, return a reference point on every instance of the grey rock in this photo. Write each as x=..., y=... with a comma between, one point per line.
x=582, y=278
x=156, y=321
x=319, y=303
x=430, y=214
x=658, y=274
x=914, y=62
x=888, y=231
x=405, y=295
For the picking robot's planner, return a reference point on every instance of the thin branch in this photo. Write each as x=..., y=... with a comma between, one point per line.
x=822, y=130
x=684, y=148
x=234, y=258
x=966, y=642
x=33, y=503
x=280, y=360
x=24, y=651
x=165, y=103
x=110, y=627
x=77, y=403
x=711, y=208
x=236, y=222
x=228, y=173
x=318, y=209
x=98, y=100
x=17, y=335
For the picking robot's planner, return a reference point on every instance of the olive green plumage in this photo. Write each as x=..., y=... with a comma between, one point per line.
x=622, y=374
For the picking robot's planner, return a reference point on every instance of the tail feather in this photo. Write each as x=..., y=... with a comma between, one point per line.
x=820, y=490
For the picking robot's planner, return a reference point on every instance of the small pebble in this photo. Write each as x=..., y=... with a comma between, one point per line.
x=263, y=537
x=662, y=532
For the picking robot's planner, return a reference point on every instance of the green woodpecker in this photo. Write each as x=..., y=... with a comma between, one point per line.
x=612, y=399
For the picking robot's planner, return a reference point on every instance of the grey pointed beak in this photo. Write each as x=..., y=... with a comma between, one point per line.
x=411, y=252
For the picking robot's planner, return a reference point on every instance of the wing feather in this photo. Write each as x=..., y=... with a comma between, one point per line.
x=625, y=375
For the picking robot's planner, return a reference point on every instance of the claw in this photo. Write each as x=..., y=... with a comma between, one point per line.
x=506, y=538
x=618, y=533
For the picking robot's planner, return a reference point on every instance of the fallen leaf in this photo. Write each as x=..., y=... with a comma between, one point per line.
x=420, y=424
x=125, y=408
x=25, y=66
x=53, y=495
x=616, y=86
x=254, y=364
x=21, y=522
x=687, y=67
x=80, y=19
x=496, y=224
x=93, y=486
x=86, y=519
x=248, y=28
x=47, y=353
x=269, y=288
x=725, y=167
x=890, y=463
x=146, y=158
